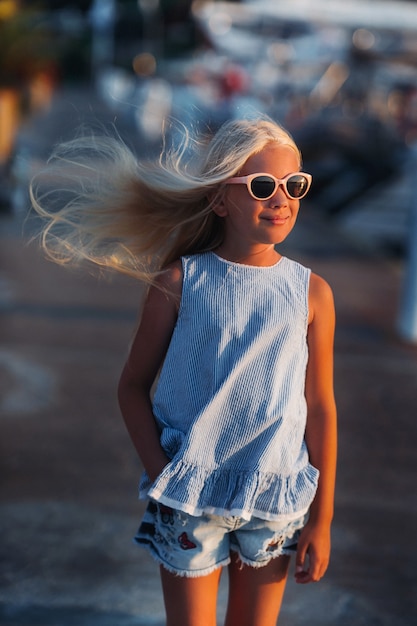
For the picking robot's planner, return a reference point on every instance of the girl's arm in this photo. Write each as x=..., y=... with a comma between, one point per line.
x=321, y=432
x=145, y=359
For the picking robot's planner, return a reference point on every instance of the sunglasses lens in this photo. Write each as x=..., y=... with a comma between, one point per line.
x=263, y=186
x=297, y=186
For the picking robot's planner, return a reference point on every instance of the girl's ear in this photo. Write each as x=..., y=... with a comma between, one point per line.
x=218, y=204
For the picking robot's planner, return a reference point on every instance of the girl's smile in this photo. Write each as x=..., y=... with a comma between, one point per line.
x=275, y=220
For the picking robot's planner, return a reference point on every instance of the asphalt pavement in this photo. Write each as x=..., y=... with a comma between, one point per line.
x=68, y=493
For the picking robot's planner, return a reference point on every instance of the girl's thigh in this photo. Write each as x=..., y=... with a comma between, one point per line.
x=190, y=601
x=255, y=593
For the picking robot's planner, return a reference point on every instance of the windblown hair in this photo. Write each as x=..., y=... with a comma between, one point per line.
x=100, y=204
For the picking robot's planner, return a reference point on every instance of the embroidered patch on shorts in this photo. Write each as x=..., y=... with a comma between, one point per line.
x=185, y=542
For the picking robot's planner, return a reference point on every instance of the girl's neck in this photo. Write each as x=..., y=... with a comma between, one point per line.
x=261, y=256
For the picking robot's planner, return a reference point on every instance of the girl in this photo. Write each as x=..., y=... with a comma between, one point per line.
x=227, y=392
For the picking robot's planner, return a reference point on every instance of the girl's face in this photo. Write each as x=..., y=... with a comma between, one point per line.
x=253, y=226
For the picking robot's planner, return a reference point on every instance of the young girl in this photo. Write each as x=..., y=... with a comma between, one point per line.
x=227, y=392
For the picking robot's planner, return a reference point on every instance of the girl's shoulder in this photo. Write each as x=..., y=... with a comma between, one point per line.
x=319, y=287
x=173, y=271
x=170, y=280
x=320, y=296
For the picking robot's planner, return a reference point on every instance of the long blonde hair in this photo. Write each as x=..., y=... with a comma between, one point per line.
x=100, y=204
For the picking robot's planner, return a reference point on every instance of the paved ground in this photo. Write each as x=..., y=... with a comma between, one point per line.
x=68, y=503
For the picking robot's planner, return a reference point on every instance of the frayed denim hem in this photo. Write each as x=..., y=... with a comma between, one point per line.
x=178, y=572
x=258, y=564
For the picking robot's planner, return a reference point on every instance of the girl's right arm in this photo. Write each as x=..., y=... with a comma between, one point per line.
x=145, y=359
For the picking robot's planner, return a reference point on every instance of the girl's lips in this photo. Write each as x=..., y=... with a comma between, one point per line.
x=276, y=220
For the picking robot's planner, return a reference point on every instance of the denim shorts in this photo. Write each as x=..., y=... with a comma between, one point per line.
x=196, y=546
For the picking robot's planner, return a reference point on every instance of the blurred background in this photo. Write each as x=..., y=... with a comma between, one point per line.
x=342, y=77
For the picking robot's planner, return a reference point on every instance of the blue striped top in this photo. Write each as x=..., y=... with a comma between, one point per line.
x=230, y=401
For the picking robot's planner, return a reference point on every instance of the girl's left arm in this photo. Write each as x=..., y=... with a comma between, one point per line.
x=321, y=432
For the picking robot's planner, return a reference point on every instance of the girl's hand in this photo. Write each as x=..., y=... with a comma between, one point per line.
x=313, y=553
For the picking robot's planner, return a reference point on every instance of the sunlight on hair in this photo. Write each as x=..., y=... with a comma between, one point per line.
x=100, y=205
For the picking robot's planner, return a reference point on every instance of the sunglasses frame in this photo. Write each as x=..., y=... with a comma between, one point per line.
x=236, y=180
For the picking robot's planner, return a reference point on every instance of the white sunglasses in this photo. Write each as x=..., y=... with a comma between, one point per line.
x=263, y=186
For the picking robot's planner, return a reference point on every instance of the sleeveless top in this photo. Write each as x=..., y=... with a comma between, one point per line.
x=230, y=400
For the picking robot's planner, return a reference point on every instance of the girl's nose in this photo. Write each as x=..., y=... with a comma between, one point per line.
x=279, y=197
